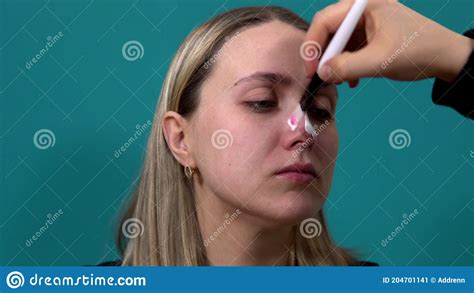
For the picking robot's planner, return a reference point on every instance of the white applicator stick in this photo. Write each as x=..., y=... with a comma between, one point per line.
x=340, y=39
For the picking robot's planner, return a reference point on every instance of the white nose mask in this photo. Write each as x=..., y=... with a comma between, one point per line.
x=296, y=117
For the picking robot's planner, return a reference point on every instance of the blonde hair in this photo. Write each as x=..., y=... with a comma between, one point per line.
x=163, y=201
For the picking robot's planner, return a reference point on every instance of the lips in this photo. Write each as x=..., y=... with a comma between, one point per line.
x=298, y=172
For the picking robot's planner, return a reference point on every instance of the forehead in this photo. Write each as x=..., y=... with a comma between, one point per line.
x=272, y=46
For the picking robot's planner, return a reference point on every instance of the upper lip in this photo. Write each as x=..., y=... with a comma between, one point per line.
x=299, y=167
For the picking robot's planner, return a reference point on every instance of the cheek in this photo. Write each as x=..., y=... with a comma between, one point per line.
x=224, y=151
x=234, y=137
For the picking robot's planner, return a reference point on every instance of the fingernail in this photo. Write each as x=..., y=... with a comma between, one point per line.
x=353, y=83
x=325, y=72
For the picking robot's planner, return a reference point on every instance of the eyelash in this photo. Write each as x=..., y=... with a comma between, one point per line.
x=313, y=112
x=256, y=106
x=321, y=114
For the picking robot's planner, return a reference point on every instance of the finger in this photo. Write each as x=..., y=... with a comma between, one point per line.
x=324, y=23
x=351, y=65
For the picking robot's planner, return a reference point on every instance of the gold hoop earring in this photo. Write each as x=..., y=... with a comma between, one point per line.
x=188, y=171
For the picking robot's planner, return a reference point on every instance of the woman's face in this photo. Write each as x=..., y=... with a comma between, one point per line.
x=243, y=138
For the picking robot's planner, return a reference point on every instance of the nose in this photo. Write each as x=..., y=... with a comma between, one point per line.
x=296, y=134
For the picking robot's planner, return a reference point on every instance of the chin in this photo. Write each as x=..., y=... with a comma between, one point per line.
x=289, y=210
x=299, y=209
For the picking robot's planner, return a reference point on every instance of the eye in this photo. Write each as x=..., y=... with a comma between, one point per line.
x=319, y=114
x=261, y=106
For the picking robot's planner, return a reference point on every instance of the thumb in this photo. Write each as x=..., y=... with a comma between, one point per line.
x=351, y=66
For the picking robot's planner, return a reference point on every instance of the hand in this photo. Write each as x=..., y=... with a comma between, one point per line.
x=390, y=41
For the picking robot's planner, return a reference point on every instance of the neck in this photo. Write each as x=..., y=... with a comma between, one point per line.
x=234, y=238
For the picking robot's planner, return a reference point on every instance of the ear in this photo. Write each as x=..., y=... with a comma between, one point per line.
x=175, y=130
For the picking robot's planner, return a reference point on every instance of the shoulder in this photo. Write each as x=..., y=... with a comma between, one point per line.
x=111, y=263
x=364, y=263
x=360, y=263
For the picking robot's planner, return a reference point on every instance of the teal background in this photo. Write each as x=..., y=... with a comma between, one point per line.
x=92, y=99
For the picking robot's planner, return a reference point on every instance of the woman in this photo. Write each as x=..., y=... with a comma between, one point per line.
x=229, y=177
x=218, y=118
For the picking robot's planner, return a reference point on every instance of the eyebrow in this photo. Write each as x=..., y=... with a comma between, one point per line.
x=272, y=77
